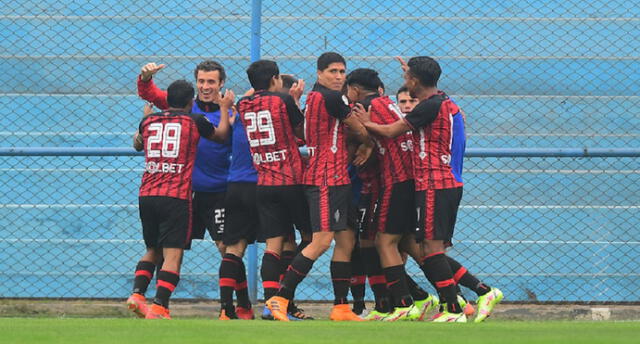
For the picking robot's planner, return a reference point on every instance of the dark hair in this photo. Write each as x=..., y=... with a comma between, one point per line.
x=382, y=86
x=210, y=66
x=179, y=94
x=261, y=72
x=402, y=89
x=328, y=58
x=288, y=80
x=425, y=69
x=365, y=78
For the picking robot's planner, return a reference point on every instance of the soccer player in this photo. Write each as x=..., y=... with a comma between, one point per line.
x=290, y=248
x=396, y=205
x=241, y=227
x=169, y=139
x=328, y=188
x=366, y=228
x=438, y=134
x=211, y=168
x=272, y=121
x=405, y=101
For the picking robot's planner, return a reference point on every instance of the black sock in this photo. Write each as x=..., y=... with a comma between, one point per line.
x=167, y=283
x=466, y=279
x=227, y=279
x=285, y=260
x=358, y=279
x=437, y=269
x=270, y=273
x=416, y=292
x=341, y=279
x=397, y=285
x=144, y=274
x=242, y=293
x=377, y=281
x=296, y=272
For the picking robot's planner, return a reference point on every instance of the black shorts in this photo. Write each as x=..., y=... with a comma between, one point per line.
x=366, y=222
x=166, y=221
x=396, y=211
x=208, y=213
x=328, y=207
x=280, y=208
x=437, y=214
x=241, y=221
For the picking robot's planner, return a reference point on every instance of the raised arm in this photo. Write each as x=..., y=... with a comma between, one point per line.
x=222, y=132
x=148, y=90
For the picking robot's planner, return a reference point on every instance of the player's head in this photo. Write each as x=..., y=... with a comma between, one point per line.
x=210, y=78
x=423, y=72
x=180, y=95
x=361, y=83
x=331, y=70
x=287, y=82
x=264, y=75
x=405, y=101
x=381, y=88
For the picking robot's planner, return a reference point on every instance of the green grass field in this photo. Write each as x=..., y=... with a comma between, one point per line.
x=95, y=330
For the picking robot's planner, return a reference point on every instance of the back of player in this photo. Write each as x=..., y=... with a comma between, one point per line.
x=169, y=140
x=269, y=119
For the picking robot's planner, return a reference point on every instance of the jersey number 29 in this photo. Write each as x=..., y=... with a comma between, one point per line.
x=261, y=122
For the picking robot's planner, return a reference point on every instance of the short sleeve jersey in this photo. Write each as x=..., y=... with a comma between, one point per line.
x=170, y=142
x=211, y=168
x=325, y=136
x=269, y=119
x=394, y=154
x=370, y=176
x=433, y=122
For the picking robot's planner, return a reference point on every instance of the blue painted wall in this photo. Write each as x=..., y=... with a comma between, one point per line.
x=546, y=74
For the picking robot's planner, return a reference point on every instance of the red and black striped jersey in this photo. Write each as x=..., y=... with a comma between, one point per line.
x=370, y=176
x=394, y=154
x=170, y=141
x=325, y=135
x=269, y=119
x=432, y=124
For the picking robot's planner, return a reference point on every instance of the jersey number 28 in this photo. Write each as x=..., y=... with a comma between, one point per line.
x=168, y=135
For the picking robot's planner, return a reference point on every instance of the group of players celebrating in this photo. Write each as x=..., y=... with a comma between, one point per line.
x=237, y=171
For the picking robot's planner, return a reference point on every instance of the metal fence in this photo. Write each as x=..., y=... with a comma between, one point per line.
x=528, y=74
